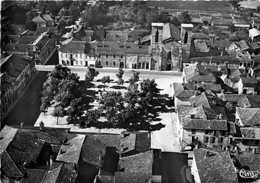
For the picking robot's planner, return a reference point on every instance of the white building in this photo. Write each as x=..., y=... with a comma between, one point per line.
x=77, y=53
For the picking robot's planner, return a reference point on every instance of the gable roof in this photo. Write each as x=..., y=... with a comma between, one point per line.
x=249, y=116
x=249, y=159
x=214, y=167
x=249, y=81
x=106, y=47
x=187, y=111
x=193, y=69
x=253, y=33
x=92, y=149
x=141, y=162
x=7, y=134
x=73, y=46
x=171, y=32
x=8, y=166
x=252, y=101
x=202, y=124
x=139, y=141
x=70, y=151
x=34, y=175
x=47, y=17
x=31, y=149
x=129, y=177
x=52, y=175
x=185, y=94
x=38, y=19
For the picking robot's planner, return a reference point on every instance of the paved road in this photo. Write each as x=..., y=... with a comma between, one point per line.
x=27, y=109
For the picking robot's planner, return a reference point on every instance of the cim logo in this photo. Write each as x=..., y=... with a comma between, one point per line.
x=246, y=174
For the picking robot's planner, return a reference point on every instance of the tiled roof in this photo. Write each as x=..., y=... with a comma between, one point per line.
x=139, y=141
x=47, y=17
x=186, y=94
x=255, y=45
x=115, y=36
x=205, y=99
x=193, y=69
x=31, y=149
x=249, y=101
x=205, y=86
x=243, y=45
x=8, y=166
x=213, y=59
x=67, y=174
x=70, y=151
x=130, y=177
x=73, y=46
x=7, y=135
x=38, y=19
x=203, y=78
x=214, y=167
x=141, y=162
x=52, y=175
x=40, y=30
x=15, y=65
x=92, y=149
x=171, y=31
x=104, y=179
x=187, y=111
x=109, y=140
x=249, y=116
x=230, y=97
x=248, y=159
x=34, y=175
x=249, y=81
x=105, y=47
x=202, y=124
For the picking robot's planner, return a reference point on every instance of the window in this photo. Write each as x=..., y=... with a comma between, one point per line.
x=99, y=55
x=114, y=63
x=106, y=55
x=186, y=37
x=114, y=56
x=193, y=131
x=61, y=55
x=106, y=62
x=121, y=56
x=99, y=62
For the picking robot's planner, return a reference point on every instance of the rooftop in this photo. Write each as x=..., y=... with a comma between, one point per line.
x=249, y=116
x=214, y=167
x=70, y=151
x=202, y=124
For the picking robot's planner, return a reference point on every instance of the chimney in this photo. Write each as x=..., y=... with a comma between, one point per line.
x=41, y=126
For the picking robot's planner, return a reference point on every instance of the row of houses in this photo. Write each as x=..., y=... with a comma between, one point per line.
x=42, y=154
x=126, y=49
x=218, y=124
x=16, y=72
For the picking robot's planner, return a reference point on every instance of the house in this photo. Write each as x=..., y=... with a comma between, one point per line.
x=78, y=53
x=49, y=20
x=214, y=167
x=201, y=124
x=196, y=73
x=248, y=117
x=247, y=85
x=20, y=151
x=41, y=22
x=16, y=71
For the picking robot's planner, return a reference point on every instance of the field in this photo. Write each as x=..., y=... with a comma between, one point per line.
x=219, y=6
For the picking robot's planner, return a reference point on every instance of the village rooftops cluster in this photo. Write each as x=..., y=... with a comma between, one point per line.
x=219, y=120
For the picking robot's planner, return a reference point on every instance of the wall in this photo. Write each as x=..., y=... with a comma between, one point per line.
x=195, y=172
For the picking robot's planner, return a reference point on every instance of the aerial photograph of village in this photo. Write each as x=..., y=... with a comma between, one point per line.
x=96, y=91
